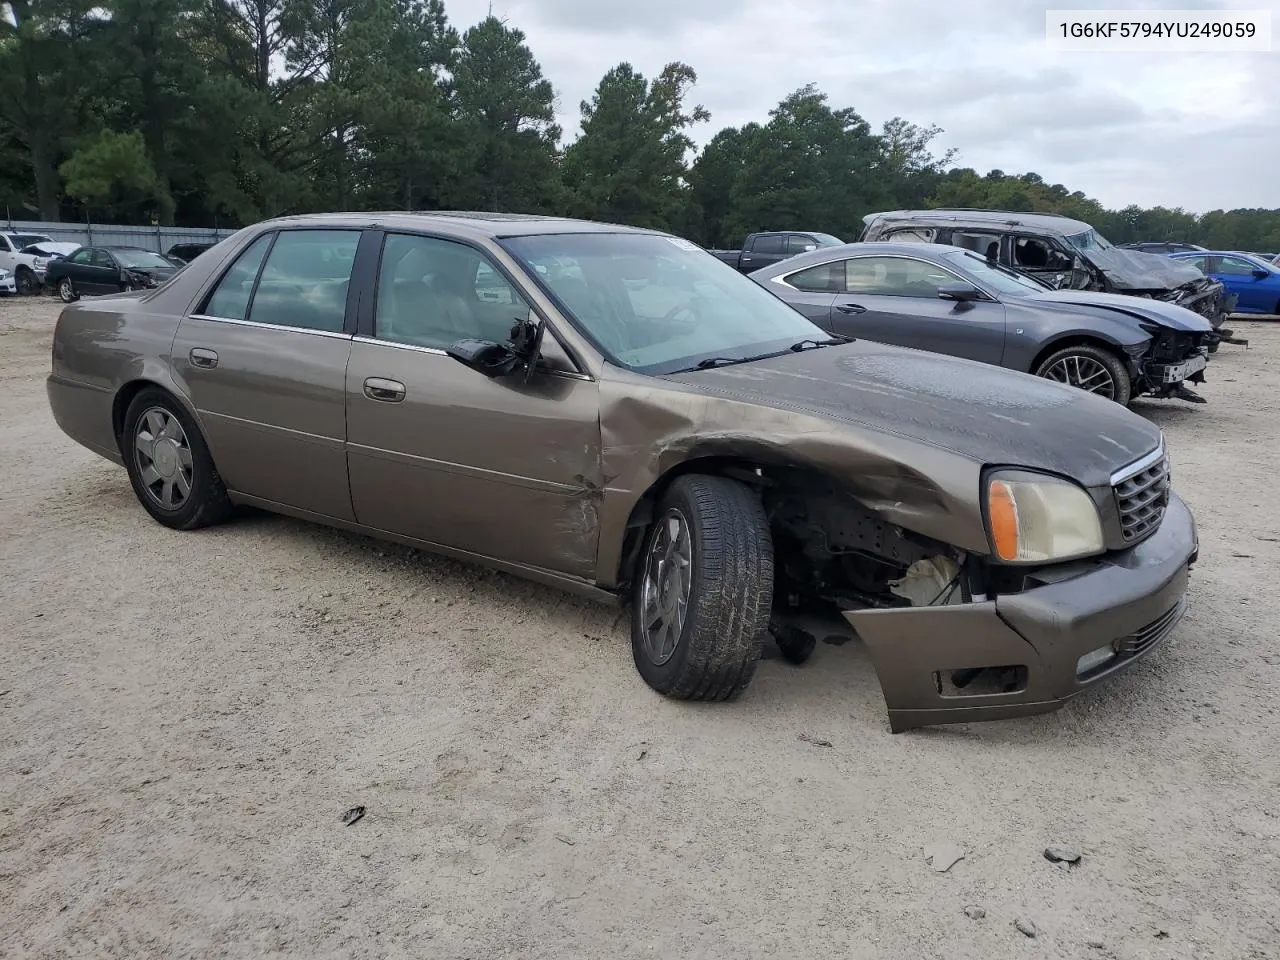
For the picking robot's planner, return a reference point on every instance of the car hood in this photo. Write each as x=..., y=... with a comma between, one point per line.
x=986, y=414
x=1135, y=270
x=1156, y=311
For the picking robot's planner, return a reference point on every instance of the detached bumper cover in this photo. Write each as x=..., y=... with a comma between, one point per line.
x=1130, y=601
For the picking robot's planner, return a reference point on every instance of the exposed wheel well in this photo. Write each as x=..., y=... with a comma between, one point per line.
x=124, y=397
x=642, y=513
x=1077, y=341
x=780, y=483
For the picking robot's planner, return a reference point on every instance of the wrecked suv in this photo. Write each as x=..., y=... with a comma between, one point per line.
x=616, y=412
x=1061, y=253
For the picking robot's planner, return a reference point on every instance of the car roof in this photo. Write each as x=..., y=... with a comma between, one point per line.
x=477, y=223
x=961, y=215
x=1215, y=253
x=871, y=248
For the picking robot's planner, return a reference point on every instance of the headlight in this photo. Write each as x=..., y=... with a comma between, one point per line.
x=1034, y=518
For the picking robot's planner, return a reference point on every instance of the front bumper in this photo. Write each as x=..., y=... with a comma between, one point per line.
x=9, y=284
x=1130, y=601
x=1167, y=374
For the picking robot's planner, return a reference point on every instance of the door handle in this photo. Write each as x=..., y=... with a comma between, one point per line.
x=200, y=357
x=388, y=391
x=851, y=308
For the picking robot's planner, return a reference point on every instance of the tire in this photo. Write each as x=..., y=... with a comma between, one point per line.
x=27, y=281
x=1062, y=365
x=67, y=291
x=182, y=461
x=729, y=595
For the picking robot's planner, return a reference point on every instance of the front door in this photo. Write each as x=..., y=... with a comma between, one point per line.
x=1254, y=294
x=264, y=361
x=94, y=271
x=894, y=299
x=1044, y=260
x=498, y=468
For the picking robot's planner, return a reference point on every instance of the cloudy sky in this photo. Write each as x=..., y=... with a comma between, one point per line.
x=1196, y=130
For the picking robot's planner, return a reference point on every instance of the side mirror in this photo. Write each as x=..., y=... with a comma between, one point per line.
x=959, y=292
x=517, y=355
x=1260, y=274
x=485, y=356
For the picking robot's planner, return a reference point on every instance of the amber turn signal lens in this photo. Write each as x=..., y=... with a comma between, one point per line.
x=1003, y=515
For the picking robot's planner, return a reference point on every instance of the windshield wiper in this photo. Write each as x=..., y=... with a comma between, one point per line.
x=710, y=362
x=814, y=344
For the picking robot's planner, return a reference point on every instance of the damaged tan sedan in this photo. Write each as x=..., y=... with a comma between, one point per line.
x=616, y=412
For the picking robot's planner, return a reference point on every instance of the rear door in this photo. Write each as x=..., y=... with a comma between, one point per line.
x=263, y=358
x=812, y=291
x=498, y=468
x=894, y=299
x=765, y=250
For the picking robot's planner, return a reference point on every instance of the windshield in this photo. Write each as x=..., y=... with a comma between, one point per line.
x=1089, y=240
x=827, y=240
x=658, y=304
x=142, y=260
x=993, y=277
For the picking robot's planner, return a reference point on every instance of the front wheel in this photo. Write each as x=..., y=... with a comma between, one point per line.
x=67, y=291
x=27, y=282
x=1089, y=368
x=703, y=590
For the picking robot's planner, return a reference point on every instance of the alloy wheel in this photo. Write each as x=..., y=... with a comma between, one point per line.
x=163, y=457
x=1084, y=372
x=666, y=586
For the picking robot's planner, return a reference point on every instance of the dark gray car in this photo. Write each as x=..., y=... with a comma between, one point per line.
x=950, y=300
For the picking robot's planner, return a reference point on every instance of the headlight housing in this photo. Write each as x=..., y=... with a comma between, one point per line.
x=1037, y=518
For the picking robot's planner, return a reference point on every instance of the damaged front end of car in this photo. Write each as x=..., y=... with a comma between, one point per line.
x=1169, y=361
x=1154, y=277
x=958, y=635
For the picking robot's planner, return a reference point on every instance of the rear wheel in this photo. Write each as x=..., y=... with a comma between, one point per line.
x=67, y=291
x=703, y=590
x=1089, y=368
x=169, y=464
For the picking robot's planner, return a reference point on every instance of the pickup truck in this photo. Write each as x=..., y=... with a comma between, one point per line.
x=21, y=267
x=765, y=249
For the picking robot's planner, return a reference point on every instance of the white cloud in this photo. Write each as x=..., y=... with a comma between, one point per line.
x=1200, y=131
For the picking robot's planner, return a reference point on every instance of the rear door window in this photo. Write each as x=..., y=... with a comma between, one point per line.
x=895, y=277
x=774, y=243
x=798, y=244
x=983, y=244
x=230, y=298
x=304, y=281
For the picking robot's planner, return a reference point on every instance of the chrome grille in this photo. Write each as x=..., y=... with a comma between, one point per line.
x=1142, y=497
x=1152, y=633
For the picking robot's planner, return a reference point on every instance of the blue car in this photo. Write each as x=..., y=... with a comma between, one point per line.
x=1255, y=282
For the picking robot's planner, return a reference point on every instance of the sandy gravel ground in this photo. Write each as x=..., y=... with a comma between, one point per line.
x=185, y=717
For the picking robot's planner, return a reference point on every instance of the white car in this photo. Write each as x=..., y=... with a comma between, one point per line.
x=7, y=282
x=26, y=257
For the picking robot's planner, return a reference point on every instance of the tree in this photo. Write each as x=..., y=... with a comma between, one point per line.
x=115, y=167
x=810, y=166
x=42, y=55
x=628, y=166
x=907, y=163
x=713, y=176
x=504, y=110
